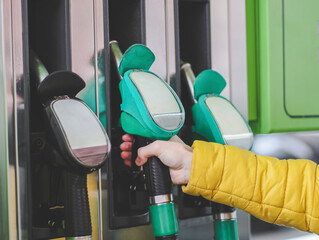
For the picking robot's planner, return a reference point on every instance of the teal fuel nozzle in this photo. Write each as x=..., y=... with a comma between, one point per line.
x=216, y=119
x=151, y=110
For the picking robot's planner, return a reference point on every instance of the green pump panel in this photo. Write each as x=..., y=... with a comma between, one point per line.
x=283, y=65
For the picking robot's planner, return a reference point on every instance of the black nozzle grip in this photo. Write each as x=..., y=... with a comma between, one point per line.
x=76, y=204
x=158, y=180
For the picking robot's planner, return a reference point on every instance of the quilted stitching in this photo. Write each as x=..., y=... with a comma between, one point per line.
x=221, y=174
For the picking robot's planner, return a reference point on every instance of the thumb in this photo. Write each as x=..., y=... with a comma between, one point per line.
x=143, y=153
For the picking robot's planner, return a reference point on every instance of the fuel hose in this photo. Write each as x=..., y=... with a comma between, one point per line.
x=159, y=188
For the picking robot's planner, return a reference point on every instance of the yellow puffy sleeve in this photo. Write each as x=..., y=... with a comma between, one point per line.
x=284, y=192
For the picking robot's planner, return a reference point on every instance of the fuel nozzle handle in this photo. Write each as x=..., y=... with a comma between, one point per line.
x=78, y=145
x=145, y=120
x=76, y=206
x=158, y=180
x=159, y=188
x=210, y=82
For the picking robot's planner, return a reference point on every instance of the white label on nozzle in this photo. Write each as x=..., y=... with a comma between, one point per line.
x=157, y=97
x=232, y=125
x=82, y=131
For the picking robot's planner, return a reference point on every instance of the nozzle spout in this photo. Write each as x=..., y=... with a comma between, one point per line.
x=37, y=68
x=190, y=77
x=116, y=52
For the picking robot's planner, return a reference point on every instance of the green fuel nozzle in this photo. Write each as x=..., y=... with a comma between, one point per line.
x=151, y=110
x=217, y=120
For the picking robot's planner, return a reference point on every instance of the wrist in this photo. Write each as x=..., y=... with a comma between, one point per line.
x=187, y=165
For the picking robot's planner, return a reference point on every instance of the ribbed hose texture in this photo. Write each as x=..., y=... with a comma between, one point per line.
x=77, y=209
x=158, y=180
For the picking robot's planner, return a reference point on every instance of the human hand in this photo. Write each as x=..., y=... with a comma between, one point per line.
x=173, y=153
x=126, y=148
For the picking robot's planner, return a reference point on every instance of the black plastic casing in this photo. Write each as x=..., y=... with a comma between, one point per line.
x=57, y=139
x=158, y=179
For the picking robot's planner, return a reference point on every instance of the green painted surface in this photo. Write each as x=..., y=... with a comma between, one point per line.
x=284, y=49
x=164, y=219
x=226, y=230
x=301, y=48
x=4, y=165
x=251, y=22
x=4, y=168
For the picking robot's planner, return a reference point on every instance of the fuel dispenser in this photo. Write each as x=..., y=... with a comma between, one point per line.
x=82, y=144
x=70, y=36
x=217, y=120
x=127, y=200
x=73, y=144
x=150, y=110
x=67, y=36
x=194, y=46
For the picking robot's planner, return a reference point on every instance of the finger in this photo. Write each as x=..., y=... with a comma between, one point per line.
x=140, y=161
x=153, y=149
x=127, y=138
x=126, y=155
x=178, y=140
x=128, y=163
x=126, y=146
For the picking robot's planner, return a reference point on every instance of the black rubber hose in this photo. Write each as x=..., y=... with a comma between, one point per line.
x=76, y=205
x=221, y=208
x=158, y=180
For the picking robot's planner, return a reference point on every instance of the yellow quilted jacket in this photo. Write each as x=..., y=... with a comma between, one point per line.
x=284, y=192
